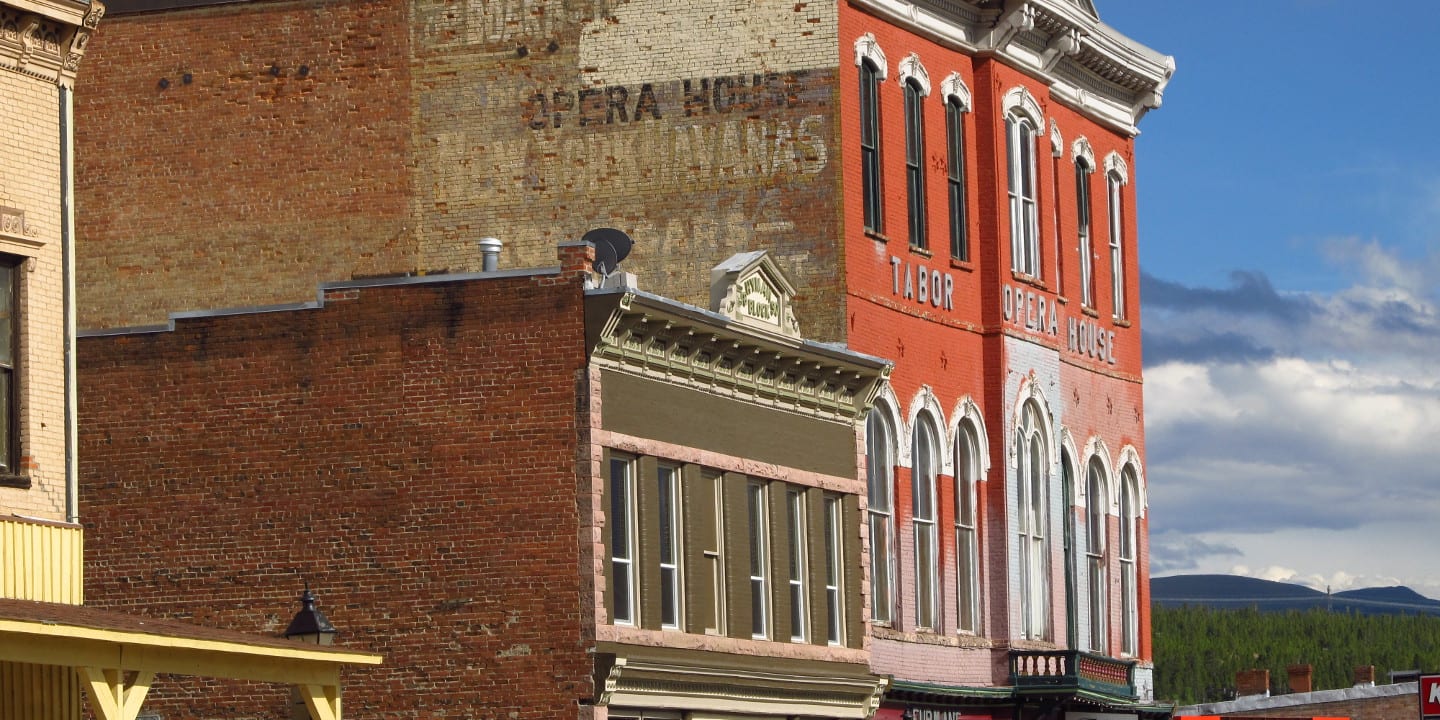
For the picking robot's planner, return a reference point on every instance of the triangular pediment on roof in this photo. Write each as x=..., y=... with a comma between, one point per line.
x=750, y=289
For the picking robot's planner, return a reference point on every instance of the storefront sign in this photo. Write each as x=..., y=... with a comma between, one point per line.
x=1429, y=687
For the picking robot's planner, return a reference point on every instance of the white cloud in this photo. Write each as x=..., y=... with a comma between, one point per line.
x=1289, y=434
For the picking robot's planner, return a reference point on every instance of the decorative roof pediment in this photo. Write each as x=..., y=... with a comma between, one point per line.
x=750, y=289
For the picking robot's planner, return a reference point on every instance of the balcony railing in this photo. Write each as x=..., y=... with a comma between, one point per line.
x=1071, y=671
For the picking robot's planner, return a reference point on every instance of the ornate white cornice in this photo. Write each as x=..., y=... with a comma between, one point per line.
x=46, y=39
x=1088, y=65
x=658, y=338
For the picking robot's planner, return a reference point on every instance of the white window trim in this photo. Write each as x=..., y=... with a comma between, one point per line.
x=1115, y=220
x=919, y=526
x=799, y=569
x=760, y=530
x=677, y=531
x=911, y=68
x=1129, y=566
x=1084, y=158
x=884, y=408
x=632, y=584
x=834, y=558
x=866, y=48
x=1032, y=394
x=1019, y=107
x=953, y=86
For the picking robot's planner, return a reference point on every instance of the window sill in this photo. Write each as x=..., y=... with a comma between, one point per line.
x=964, y=265
x=15, y=481
x=877, y=235
x=1030, y=280
x=1092, y=312
x=922, y=252
x=1062, y=300
x=1122, y=322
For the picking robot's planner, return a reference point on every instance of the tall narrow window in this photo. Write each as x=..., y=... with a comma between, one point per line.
x=668, y=494
x=880, y=472
x=915, y=161
x=1129, y=594
x=1024, y=222
x=1117, y=259
x=715, y=553
x=1067, y=490
x=870, y=146
x=955, y=179
x=922, y=476
x=1095, y=507
x=1032, y=481
x=1087, y=252
x=622, y=541
x=967, y=556
x=9, y=331
x=834, y=599
x=795, y=508
x=758, y=518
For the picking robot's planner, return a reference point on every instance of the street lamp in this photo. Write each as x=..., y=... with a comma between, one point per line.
x=310, y=625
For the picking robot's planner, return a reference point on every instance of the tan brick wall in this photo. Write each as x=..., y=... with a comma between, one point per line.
x=240, y=187
x=30, y=185
x=701, y=131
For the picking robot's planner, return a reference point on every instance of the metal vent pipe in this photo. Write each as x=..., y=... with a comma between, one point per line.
x=490, y=250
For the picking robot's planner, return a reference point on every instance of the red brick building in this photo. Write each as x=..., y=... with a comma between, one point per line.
x=538, y=499
x=950, y=185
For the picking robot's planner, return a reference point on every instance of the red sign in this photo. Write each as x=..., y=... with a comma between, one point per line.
x=1430, y=696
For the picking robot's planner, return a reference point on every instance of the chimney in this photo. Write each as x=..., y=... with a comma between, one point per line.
x=576, y=258
x=1364, y=676
x=1252, y=682
x=490, y=252
x=1300, y=678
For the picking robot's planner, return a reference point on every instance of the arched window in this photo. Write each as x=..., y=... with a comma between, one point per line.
x=1084, y=168
x=1023, y=124
x=915, y=161
x=1096, y=503
x=870, y=76
x=1129, y=588
x=955, y=111
x=880, y=464
x=1116, y=176
x=1067, y=485
x=967, y=554
x=1032, y=476
x=1024, y=223
x=924, y=469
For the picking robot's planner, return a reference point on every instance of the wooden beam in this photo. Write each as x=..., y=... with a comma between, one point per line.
x=110, y=696
x=323, y=701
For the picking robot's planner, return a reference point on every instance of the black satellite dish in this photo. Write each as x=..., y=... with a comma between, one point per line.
x=611, y=246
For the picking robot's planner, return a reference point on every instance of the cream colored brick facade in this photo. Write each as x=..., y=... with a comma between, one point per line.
x=40, y=48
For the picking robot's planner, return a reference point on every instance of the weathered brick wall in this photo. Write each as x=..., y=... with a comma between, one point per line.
x=409, y=451
x=30, y=233
x=240, y=155
x=982, y=338
x=703, y=130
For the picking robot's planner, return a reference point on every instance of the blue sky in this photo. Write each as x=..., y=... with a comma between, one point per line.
x=1289, y=210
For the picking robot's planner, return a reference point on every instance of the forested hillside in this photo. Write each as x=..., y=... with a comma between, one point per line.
x=1198, y=649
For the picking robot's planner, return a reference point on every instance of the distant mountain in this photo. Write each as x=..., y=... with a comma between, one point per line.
x=1233, y=591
